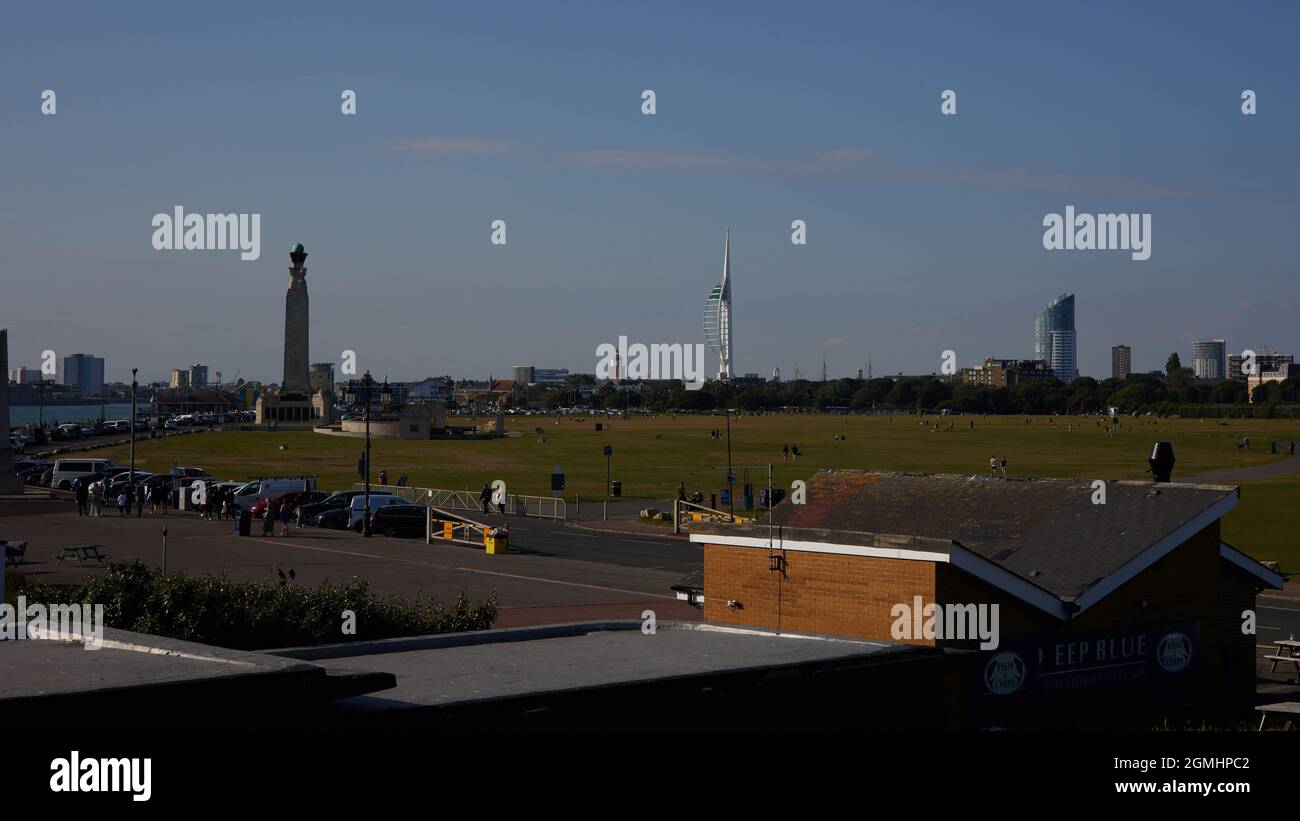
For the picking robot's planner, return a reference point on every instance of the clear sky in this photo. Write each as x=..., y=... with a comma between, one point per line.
x=924, y=230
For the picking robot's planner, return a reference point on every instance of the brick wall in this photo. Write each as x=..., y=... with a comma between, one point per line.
x=817, y=593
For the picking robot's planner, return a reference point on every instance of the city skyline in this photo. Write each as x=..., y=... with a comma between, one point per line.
x=914, y=218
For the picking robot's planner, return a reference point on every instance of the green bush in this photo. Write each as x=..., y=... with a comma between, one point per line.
x=260, y=615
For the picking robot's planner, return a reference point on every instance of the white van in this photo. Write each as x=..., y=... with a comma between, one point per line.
x=269, y=488
x=377, y=500
x=67, y=471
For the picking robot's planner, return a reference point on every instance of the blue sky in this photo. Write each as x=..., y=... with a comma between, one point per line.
x=924, y=231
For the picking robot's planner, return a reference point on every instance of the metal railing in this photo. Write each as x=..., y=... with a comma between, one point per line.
x=700, y=513
x=516, y=504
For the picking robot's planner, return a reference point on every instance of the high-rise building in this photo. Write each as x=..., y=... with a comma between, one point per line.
x=1055, y=341
x=85, y=372
x=180, y=378
x=1209, y=360
x=717, y=314
x=524, y=374
x=198, y=376
x=1121, y=361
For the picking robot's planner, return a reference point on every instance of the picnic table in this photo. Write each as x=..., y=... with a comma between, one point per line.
x=82, y=553
x=1286, y=652
x=1285, y=708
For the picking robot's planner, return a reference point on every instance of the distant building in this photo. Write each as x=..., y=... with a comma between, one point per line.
x=180, y=379
x=198, y=376
x=545, y=375
x=24, y=376
x=322, y=377
x=717, y=315
x=524, y=374
x=1277, y=373
x=1209, y=361
x=85, y=372
x=1055, y=340
x=1121, y=361
x=431, y=387
x=1003, y=373
x=1264, y=361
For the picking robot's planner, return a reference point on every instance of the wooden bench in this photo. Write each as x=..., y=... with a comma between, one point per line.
x=14, y=552
x=82, y=553
x=1286, y=651
x=1284, y=708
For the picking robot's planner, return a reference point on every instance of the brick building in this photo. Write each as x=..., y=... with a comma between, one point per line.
x=1114, y=614
x=1003, y=373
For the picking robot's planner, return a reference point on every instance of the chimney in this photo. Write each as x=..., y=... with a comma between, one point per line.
x=1162, y=462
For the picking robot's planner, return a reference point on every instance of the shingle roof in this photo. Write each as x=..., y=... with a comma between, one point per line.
x=1048, y=532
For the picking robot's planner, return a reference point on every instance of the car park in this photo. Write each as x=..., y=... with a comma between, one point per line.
x=308, y=515
x=66, y=471
x=270, y=487
x=400, y=520
x=292, y=501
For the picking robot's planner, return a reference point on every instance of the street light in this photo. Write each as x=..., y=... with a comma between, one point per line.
x=130, y=477
x=367, y=382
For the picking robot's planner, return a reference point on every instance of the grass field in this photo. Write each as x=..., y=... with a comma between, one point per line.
x=651, y=455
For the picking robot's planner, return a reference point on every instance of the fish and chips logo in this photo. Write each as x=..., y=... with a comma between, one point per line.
x=1004, y=673
x=1174, y=652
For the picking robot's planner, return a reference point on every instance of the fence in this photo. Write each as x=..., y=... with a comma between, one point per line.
x=516, y=504
x=699, y=513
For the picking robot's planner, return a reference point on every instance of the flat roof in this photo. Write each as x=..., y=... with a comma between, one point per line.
x=469, y=667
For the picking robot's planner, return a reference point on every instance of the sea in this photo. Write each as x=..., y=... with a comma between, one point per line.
x=31, y=414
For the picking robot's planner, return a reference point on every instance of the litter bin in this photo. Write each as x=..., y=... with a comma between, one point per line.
x=725, y=498
x=617, y=487
x=496, y=541
x=245, y=523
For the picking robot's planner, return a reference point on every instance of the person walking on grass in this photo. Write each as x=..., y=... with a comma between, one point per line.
x=993, y=465
x=383, y=478
x=1004, y=467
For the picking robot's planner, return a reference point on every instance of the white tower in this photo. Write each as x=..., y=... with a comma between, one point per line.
x=717, y=314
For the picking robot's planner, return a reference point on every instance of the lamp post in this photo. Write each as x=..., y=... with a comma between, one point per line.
x=367, y=382
x=130, y=477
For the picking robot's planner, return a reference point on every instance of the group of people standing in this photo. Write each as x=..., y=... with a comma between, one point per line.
x=93, y=496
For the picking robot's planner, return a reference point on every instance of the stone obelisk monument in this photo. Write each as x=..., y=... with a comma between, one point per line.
x=297, y=373
x=9, y=481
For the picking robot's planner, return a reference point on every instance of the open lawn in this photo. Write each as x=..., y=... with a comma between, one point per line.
x=651, y=455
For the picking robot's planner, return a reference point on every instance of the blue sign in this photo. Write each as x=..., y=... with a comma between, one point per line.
x=1161, y=657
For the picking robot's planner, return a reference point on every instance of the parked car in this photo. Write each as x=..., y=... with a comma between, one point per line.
x=352, y=516
x=17, y=443
x=377, y=500
x=259, y=489
x=342, y=500
x=66, y=471
x=194, y=472
x=69, y=431
x=291, y=500
x=400, y=520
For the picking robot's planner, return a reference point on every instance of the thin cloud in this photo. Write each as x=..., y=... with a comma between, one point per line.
x=641, y=158
x=457, y=146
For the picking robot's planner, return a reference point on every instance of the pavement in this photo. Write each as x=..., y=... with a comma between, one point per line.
x=551, y=574
x=1283, y=467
